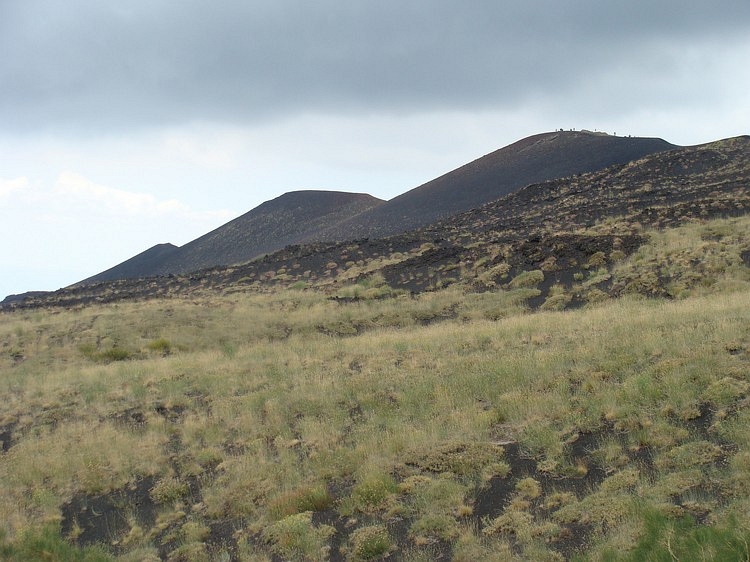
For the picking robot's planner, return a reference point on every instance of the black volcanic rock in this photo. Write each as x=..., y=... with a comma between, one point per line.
x=271, y=226
x=659, y=190
x=532, y=160
x=10, y=300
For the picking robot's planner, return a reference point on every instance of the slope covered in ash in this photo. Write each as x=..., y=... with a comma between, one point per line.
x=285, y=220
x=140, y=265
x=534, y=159
x=323, y=216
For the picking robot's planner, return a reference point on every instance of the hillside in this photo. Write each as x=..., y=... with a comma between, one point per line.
x=141, y=265
x=288, y=219
x=261, y=424
x=531, y=160
x=559, y=374
x=554, y=227
x=320, y=216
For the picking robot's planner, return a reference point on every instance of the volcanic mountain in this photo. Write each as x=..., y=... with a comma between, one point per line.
x=323, y=216
x=286, y=220
x=565, y=235
x=534, y=159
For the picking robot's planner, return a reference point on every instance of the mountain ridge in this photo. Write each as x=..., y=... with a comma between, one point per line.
x=268, y=227
x=533, y=159
x=310, y=216
x=558, y=228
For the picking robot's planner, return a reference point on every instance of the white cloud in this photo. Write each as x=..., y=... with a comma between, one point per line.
x=8, y=187
x=63, y=229
x=115, y=201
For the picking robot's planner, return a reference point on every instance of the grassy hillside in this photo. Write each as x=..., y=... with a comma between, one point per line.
x=358, y=421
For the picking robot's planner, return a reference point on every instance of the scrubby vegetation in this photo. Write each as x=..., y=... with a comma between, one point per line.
x=560, y=375
x=605, y=420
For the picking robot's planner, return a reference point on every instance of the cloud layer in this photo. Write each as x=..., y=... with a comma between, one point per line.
x=83, y=64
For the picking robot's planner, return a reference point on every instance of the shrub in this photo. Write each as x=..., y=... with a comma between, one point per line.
x=368, y=543
x=296, y=538
x=527, y=279
x=372, y=492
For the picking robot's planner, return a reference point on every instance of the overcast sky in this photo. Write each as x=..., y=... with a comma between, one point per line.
x=128, y=124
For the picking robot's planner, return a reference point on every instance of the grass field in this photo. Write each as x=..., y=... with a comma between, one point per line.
x=447, y=425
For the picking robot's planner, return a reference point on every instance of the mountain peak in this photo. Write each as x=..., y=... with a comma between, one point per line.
x=534, y=159
x=285, y=220
x=306, y=216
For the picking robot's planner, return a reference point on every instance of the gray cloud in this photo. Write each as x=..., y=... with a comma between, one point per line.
x=87, y=65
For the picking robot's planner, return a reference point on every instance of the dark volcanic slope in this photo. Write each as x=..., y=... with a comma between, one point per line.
x=288, y=219
x=136, y=266
x=658, y=190
x=320, y=216
x=531, y=160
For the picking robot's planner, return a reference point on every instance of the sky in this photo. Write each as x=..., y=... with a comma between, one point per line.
x=128, y=124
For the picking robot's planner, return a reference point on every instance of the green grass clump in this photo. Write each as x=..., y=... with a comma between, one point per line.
x=373, y=492
x=527, y=279
x=161, y=346
x=471, y=548
x=463, y=459
x=169, y=490
x=370, y=543
x=45, y=543
x=666, y=539
x=437, y=505
x=106, y=356
x=367, y=288
x=296, y=538
x=556, y=302
x=306, y=498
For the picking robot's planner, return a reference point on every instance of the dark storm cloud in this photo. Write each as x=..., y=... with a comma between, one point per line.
x=92, y=64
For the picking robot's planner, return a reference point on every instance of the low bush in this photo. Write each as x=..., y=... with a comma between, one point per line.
x=369, y=543
x=296, y=538
x=314, y=498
